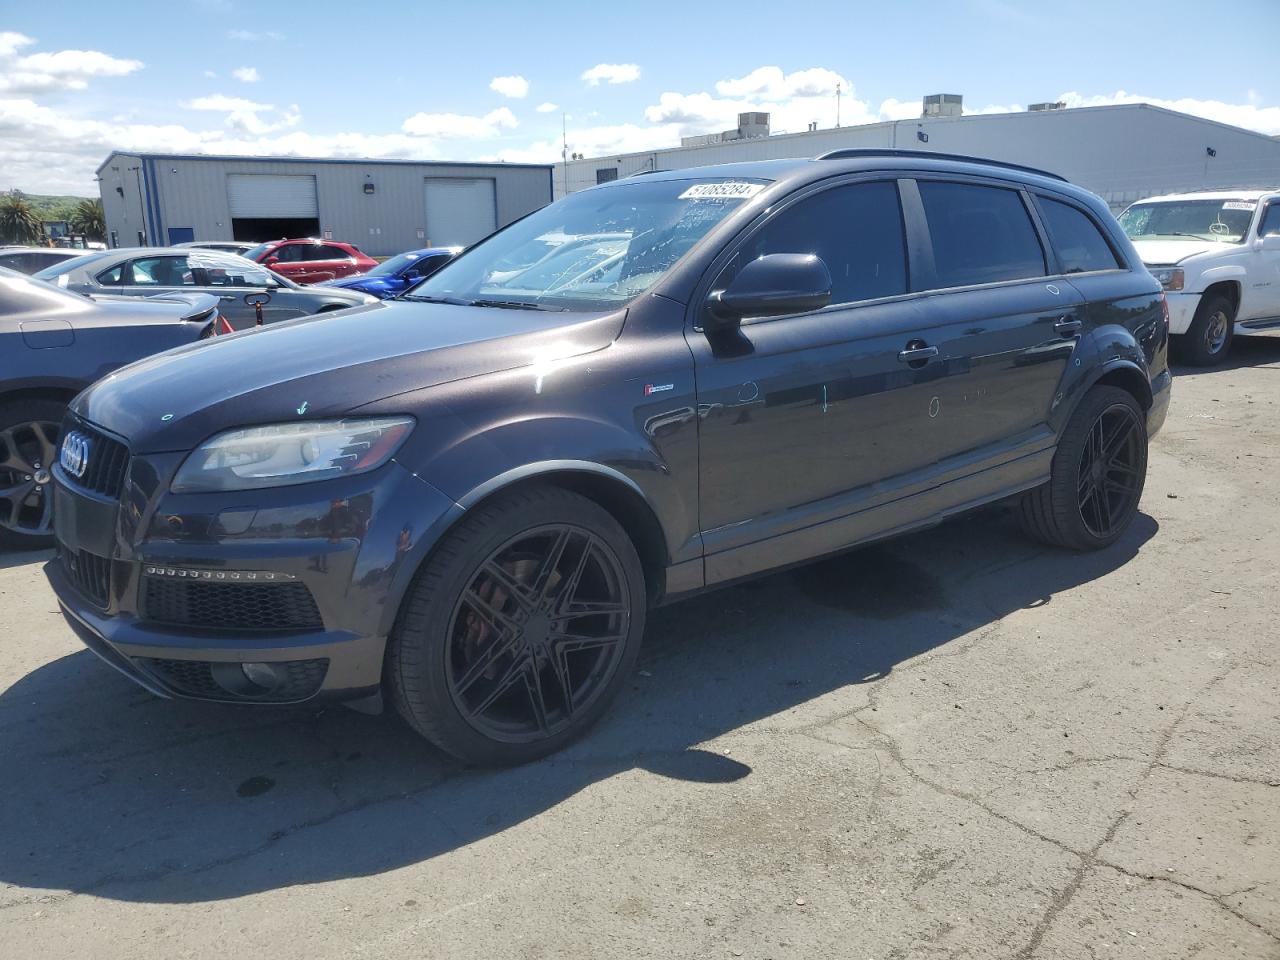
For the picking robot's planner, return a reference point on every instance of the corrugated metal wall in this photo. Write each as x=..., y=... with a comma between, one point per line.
x=1122, y=153
x=192, y=192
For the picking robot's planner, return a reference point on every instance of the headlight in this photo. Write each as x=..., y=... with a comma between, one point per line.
x=1171, y=278
x=283, y=454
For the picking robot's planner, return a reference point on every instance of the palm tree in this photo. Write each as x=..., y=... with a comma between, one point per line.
x=18, y=222
x=88, y=219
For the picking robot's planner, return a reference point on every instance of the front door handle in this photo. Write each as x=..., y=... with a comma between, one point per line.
x=228, y=297
x=1067, y=325
x=917, y=353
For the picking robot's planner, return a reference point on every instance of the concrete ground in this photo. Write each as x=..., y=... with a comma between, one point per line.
x=959, y=744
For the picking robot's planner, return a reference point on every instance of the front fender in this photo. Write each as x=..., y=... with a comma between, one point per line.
x=1207, y=278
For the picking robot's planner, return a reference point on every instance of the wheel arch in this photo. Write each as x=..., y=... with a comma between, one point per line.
x=1128, y=376
x=617, y=493
x=1230, y=288
x=59, y=394
x=612, y=490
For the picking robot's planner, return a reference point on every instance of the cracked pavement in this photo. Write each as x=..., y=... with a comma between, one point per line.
x=958, y=744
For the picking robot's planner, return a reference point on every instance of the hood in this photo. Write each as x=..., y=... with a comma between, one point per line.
x=365, y=284
x=325, y=366
x=1167, y=252
x=344, y=291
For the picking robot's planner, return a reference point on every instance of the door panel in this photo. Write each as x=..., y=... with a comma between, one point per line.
x=1013, y=342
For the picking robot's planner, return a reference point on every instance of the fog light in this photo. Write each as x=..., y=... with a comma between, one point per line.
x=262, y=675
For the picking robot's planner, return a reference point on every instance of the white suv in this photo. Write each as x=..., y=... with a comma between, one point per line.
x=1218, y=257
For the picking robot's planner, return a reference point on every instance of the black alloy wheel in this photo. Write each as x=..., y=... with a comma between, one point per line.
x=29, y=436
x=520, y=628
x=537, y=633
x=1097, y=476
x=1110, y=481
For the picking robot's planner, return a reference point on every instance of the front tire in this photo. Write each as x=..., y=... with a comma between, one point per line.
x=1208, y=340
x=29, y=433
x=520, y=629
x=1098, y=474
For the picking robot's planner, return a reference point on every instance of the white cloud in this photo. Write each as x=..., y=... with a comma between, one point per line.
x=514, y=87
x=211, y=75
x=611, y=73
x=249, y=36
x=770, y=83
x=460, y=126
x=546, y=108
x=11, y=43
x=793, y=101
x=245, y=116
x=53, y=71
x=596, y=142
x=1251, y=115
x=246, y=74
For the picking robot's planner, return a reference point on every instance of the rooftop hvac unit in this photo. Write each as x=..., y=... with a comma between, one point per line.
x=1037, y=107
x=943, y=105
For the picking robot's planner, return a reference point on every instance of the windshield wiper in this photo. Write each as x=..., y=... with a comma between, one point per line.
x=509, y=304
x=419, y=298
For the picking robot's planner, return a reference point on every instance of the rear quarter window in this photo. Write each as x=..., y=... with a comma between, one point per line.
x=980, y=234
x=1080, y=245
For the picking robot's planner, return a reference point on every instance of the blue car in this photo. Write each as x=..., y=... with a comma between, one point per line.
x=393, y=277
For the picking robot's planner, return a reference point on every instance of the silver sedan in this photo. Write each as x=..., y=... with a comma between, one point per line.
x=239, y=284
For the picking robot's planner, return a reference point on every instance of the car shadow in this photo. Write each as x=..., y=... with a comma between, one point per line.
x=112, y=792
x=1245, y=352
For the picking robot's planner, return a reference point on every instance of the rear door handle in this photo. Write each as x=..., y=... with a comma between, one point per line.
x=1067, y=325
x=917, y=354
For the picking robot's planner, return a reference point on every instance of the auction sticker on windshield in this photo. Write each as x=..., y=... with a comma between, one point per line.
x=728, y=190
x=1240, y=205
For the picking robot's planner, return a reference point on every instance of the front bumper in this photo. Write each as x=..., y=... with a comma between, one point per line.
x=301, y=583
x=1182, y=310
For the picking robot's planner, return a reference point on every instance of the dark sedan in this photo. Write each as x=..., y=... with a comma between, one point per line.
x=236, y=282
x=53, y=344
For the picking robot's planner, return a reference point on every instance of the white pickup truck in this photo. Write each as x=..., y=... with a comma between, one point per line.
x=1218, y=257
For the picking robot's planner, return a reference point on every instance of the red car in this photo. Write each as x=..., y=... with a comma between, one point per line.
x=310, y=261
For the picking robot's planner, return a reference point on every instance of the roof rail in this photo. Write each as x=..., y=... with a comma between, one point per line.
x=932, y=155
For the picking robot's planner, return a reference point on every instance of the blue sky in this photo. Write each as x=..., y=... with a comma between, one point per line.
x=427, y=80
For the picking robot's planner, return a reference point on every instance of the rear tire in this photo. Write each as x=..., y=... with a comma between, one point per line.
x=1208, y=340
x=29, y=433
x=492, y=658
x=1097, y=477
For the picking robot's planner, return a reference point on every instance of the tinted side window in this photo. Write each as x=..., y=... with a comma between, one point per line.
x=113, y=277
x=290, y=252
x=322, y=252
x=1270, y=225
x=161, y=272
x=980, y=234
x=855, y=229
x=1080, y=244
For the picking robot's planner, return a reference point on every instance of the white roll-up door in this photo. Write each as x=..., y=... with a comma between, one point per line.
x=460, y=212
x=264, y=195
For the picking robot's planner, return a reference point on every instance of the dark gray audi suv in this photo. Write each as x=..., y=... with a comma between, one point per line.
x=468, y=501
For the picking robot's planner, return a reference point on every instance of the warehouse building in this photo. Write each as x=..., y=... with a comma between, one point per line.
x=1122, y=153
x=382, y=206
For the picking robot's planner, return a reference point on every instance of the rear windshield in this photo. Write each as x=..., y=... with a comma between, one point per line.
x=590, y=251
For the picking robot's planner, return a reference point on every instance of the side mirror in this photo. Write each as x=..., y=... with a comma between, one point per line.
x=270, y=261
x=772, y=285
